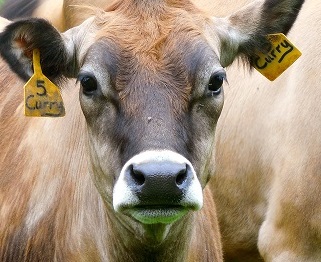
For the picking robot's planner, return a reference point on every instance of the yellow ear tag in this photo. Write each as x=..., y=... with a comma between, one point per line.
x=42, y=97
x=280, y=57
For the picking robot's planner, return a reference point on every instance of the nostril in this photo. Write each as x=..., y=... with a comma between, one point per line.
x=181, y=176
x=137, y=176
x=165, y=174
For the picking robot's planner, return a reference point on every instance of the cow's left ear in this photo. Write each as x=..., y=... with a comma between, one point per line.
x=244, y=32
x=58, y=52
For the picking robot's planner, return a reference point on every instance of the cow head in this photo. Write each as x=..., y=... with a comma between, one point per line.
x=151, y=80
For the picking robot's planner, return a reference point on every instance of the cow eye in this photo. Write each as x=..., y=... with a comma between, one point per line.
x=215, y=83
x=89, y=84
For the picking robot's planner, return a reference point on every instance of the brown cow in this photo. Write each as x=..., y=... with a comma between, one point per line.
x=267, y=185
x=117, y=179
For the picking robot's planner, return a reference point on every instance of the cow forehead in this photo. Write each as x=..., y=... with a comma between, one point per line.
x=178, y=58
x=154, y=31
x=158, y=49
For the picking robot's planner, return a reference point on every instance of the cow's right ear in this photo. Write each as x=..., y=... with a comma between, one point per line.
x=57, y=51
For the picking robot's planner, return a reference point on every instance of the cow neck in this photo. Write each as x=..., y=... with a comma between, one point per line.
x=131, y=241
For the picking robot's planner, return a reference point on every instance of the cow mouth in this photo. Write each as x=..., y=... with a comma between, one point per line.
x=157, y=214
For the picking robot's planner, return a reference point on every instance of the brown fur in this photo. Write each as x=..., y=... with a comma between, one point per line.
x=267, y=184
x=146, y=55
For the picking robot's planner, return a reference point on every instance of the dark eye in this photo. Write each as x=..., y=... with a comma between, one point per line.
x=215, y=83
x=89, y=85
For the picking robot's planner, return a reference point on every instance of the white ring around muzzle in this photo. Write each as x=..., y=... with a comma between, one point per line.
x=124, y=197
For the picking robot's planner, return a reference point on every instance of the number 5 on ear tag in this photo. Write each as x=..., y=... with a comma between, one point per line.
x=42, y=97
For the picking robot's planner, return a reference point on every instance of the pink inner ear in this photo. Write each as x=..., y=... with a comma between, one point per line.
x=23, y=44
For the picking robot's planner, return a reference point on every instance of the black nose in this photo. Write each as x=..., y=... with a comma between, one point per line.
x=159, y=183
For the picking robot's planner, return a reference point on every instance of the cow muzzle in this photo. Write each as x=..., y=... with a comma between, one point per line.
x=157, y=187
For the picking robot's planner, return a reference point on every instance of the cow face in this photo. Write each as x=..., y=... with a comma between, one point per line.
x=151, y=91
x=157, y=102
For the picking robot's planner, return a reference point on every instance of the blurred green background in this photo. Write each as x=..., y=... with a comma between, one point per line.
x=1, y=1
